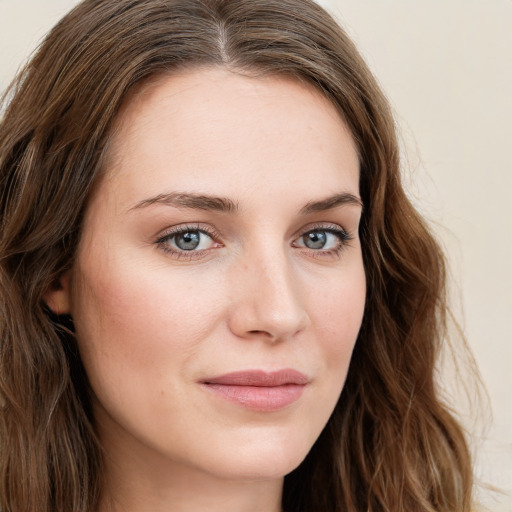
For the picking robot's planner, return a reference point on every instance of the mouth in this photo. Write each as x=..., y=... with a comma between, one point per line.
x=259, y=390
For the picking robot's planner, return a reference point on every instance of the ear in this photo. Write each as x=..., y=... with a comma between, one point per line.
x=58, y=296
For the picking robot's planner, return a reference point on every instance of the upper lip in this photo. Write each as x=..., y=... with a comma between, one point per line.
x=259, y=378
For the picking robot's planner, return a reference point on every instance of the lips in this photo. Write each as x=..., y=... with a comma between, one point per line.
x=259, y=390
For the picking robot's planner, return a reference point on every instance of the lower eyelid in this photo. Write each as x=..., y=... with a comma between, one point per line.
x=343, y=237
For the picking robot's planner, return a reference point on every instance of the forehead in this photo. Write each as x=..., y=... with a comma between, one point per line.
x=211, y=128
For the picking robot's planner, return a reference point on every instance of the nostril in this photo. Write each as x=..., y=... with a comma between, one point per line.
x=259, y=333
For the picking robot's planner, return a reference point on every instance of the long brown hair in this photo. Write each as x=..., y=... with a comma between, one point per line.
x=390, y=445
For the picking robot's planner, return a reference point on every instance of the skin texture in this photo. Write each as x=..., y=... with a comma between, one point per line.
x=154, y=321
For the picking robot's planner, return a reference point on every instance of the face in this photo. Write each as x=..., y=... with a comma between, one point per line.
x=218, y=288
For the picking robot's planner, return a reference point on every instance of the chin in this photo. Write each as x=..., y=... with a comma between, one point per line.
x=267, y=459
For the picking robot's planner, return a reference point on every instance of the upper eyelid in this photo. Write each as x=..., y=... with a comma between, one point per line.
x=176, y=230
x=333, y=230
x=342, y=234
x=217, y=236
x=164, y=238
x=319, y=226
x=213, y=232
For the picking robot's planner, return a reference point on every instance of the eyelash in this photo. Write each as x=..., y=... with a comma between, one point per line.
x=343, y=236
x=163, y=240
x=344, y=239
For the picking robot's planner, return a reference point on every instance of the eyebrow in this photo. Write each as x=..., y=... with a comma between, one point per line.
x=188, y=200
x=345, y=198
x=225, y=205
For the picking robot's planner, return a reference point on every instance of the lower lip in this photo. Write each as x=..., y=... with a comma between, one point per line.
x=259, y=398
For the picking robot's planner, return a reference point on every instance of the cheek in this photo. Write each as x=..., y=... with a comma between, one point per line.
x=337, y=315
x=131, y=319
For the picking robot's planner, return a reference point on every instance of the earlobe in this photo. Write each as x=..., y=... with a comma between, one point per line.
x=57, y=297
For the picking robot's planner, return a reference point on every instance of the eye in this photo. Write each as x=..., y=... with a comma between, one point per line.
x=323, y=239
x=186, y=240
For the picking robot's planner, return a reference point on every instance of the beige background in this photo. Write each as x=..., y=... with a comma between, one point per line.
x=446, y=67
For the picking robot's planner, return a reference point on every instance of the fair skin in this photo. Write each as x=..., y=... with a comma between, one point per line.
x=223, y=238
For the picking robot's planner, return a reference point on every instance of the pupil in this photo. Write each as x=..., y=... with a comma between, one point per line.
x=187, y=241
x=315, y=239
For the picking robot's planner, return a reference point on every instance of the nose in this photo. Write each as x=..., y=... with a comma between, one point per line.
x=267, y=302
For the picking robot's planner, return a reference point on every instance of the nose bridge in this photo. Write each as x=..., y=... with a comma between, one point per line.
x=270, y=302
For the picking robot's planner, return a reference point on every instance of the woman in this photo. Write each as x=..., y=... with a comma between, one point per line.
x=215, y=294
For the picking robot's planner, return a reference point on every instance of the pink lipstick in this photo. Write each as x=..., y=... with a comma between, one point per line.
x=259, y=390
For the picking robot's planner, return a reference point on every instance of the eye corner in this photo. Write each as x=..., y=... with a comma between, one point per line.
x=332, y=240
x=196, y=242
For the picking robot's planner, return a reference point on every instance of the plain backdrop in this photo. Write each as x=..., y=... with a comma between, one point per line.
x=446, y=66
